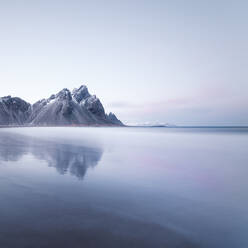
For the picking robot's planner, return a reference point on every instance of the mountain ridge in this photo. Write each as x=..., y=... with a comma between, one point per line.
x=65, y=108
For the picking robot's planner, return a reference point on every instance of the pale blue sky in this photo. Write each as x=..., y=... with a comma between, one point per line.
x=182, y=62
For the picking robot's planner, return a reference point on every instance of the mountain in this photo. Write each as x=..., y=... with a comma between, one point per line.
x=66, y=108
x=14, y=111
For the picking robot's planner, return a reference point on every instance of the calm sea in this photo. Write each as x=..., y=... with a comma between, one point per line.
x=124, y=187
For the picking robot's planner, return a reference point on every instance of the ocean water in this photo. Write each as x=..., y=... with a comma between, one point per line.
x=124, y=187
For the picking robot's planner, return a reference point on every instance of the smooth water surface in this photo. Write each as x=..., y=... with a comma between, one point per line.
x=123, y=187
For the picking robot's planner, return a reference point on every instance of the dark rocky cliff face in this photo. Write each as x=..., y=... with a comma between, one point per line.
x=64, y=108
x=14, y=111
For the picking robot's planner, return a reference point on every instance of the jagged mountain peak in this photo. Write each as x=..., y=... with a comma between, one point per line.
x=80, y=93
x=114, y=119
x=64, y=94
x=63, y=108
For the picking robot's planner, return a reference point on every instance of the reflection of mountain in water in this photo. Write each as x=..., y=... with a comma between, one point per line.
x=64, y=157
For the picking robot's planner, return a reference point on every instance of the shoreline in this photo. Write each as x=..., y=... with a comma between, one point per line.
x=96, y=125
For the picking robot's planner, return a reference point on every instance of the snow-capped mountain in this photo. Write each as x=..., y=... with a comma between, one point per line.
x=14, y=111
x=78, y=107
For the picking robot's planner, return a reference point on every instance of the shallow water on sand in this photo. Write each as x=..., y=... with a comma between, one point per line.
x=123, y=187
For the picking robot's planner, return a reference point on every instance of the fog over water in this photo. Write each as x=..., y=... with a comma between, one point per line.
x=123, y=187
